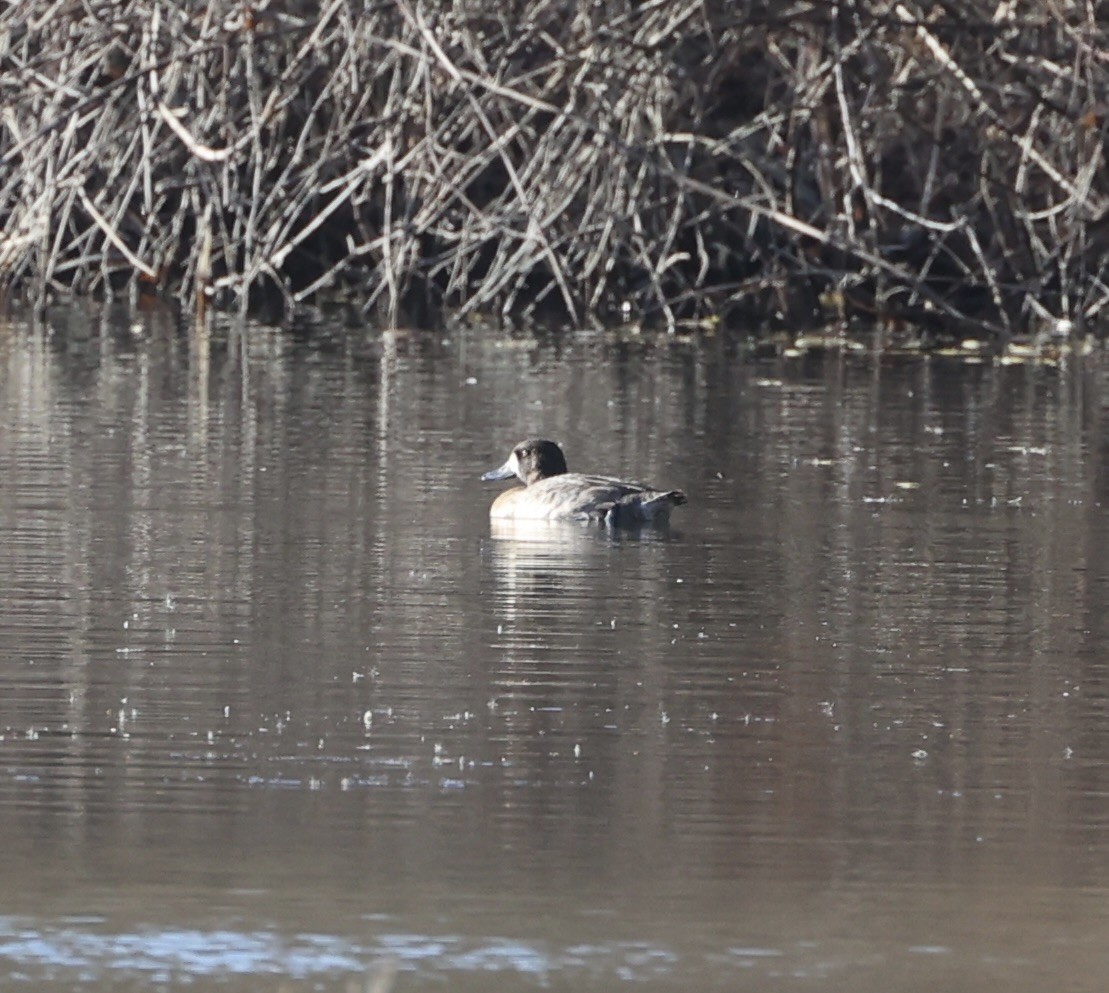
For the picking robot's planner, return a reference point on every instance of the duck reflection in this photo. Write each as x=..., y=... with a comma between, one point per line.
x=572, y=604
x=577, y=670
x=562, y=571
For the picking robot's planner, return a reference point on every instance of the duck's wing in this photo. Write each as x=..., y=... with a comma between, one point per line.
x=574, y=494
x=609, y=482
x=617, y=501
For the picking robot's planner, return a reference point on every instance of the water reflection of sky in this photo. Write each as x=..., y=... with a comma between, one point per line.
x=73, y=953
x=70, y=951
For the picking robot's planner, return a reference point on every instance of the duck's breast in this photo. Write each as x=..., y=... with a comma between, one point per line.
x=507, y=505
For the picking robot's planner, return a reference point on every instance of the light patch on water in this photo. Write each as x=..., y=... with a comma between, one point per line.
x=65, y=951
x=51, y=951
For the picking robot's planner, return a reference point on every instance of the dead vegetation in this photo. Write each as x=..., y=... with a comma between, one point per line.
x=670, y=160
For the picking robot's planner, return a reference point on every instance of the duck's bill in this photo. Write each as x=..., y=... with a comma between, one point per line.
x=506, y=471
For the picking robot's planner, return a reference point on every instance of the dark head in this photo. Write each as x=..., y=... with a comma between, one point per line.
x=531, y=461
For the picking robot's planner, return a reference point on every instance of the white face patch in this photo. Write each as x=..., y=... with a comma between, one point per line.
x=513, y=463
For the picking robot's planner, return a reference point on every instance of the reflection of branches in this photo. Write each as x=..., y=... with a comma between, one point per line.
x=681, y=159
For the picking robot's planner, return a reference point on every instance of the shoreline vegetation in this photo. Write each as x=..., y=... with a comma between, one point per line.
x=939, y=166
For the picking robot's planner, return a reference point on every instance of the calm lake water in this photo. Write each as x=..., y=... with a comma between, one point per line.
x=280, y=711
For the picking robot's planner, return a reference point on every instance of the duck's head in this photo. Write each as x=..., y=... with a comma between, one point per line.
x=531, y=461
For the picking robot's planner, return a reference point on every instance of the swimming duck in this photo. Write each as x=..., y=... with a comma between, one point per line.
x=550, y=492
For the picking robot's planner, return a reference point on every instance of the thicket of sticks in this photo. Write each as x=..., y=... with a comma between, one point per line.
x=667, y=160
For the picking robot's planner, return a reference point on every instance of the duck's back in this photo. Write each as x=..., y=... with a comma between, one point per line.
x=575, y=495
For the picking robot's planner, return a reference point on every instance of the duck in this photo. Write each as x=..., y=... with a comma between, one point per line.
x=551, y=492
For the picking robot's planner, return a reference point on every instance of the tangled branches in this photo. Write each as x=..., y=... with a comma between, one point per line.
x=676, y=158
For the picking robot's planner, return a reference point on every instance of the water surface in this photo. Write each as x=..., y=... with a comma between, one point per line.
x=279, y=708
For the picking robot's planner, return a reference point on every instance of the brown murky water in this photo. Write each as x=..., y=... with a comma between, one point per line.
x=277, y=706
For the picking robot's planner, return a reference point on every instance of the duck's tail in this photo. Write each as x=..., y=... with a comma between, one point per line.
x=640, y=508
